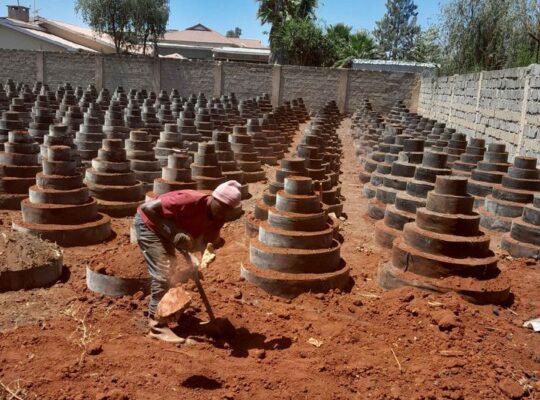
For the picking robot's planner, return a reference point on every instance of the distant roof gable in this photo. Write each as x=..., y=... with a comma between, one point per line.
x=198, y=27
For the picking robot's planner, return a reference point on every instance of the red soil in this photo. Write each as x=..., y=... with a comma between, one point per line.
x=66, y=343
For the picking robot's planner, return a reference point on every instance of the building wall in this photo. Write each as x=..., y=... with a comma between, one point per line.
x=11, y=39
x=499, y=105
x=315, y=85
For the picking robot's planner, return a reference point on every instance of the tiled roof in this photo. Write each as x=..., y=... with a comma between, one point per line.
x=201, y=34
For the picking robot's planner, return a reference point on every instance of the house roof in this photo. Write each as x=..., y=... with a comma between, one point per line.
x=201, y=34
x=33, y=29
x=79, y=30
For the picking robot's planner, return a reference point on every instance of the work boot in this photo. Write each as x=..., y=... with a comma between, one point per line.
x=160, y=331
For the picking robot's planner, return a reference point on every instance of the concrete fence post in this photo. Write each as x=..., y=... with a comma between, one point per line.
x=99, y=72
x=276, y=85
x=343, y=88
x=156, y=75
x=40, y=66
x=451, y=110
x=477, y=107
x=218, y=79
x=523, y=118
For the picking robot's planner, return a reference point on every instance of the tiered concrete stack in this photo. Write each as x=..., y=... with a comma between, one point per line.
x=204, y=124
x=295, y=251
x=300, y=110
x=41, y=119
x=456, y=146
x=59, y=207
x=406, y=203
x=488, y=172
x=444, y=250
x=387, y=152
x=112, y=182
x=371, y=161
x=289, y=167
x=73, y=118
x=187, y=129
x=140, y=153
x=169, y=139
x=165, y=115
x=88, y=139
x=19, y=106
x=260, y=143
x=276, y=140
x=4, y=101
x=9, y=122
x=245, y=155
x=523, y=240
x=175, y=176
x=114, y=127
x=18, y=168
x=226, y=161
x=151, y=122
x=508, y=199
x=59, y=136
x=264, y=103
x=468, y=160
x=205, y=169
x=132, y=116
x=401, y=173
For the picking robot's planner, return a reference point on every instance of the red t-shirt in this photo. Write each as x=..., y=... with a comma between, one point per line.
x=190, y=211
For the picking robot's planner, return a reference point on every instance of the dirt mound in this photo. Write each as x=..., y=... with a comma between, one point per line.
x=122, y=259
x=19, y=251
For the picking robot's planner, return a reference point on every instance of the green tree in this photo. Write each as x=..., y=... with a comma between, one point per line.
x=346, y=46
x=149, y=21
x=234, y=33
x=277, y=13
x=396, y=33
x=301, y=42
x=428, y=48
x=489, y=34
x=111, y=17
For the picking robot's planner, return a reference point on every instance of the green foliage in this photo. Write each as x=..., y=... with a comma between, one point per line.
x=234, y=33
x=427, y=47
x=301, y=42
x=279, y=14
x=130, y=23
x=346, y=46
x=397, y=32
x=489, y=34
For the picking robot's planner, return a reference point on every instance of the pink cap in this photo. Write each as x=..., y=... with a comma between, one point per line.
x=228, y=193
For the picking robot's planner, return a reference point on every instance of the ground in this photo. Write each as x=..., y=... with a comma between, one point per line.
x=64, y=342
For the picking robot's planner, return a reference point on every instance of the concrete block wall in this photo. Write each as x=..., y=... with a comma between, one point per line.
x=314, y=85
x=246, y=80
x=501, y=105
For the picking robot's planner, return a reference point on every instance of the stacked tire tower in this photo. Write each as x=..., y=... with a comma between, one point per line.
x=112, y=182
x=140, y=154
x=226, y=161
x=523, y=240
x=289, y=167
x=407, y=202
x=295, y=251
x=18, y=168
x=488, y=173
x=245, y=155
x=59, y=207
x=508, y=199
x=445, y=251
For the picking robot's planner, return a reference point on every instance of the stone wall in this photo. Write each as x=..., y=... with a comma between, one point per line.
x=499, y=105
x=315, y=85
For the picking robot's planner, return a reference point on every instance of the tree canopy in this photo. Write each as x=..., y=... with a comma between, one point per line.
x=130, y=23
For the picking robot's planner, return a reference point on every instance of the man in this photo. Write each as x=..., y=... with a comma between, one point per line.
x=183, y=220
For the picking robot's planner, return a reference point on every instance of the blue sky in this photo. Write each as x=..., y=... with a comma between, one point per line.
x=222, y=15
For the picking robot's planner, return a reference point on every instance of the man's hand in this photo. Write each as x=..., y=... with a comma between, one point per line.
x=183, y=242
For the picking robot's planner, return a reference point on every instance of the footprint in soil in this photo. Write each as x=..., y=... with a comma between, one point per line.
x=240, y=343
x=201, y=382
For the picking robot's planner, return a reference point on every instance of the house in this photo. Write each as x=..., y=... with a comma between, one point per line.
x=18, y=31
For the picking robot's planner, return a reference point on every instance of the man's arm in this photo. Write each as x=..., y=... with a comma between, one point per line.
x=166, y=228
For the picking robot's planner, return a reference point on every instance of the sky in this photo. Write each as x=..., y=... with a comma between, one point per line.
x=222, y=15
